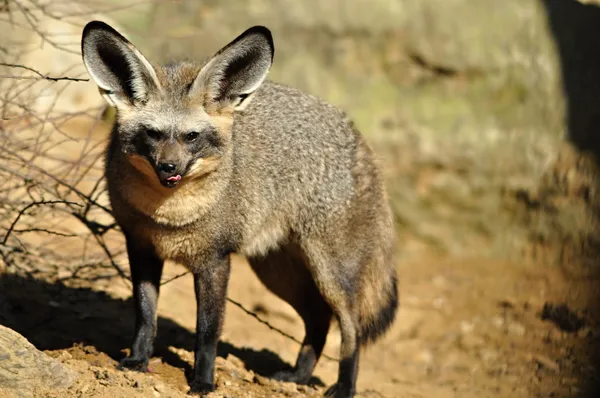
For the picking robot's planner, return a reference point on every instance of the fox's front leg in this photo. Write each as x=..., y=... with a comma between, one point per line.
x=146, y=270
x=210, y=283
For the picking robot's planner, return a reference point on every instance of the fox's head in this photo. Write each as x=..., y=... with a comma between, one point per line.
x=174, y=122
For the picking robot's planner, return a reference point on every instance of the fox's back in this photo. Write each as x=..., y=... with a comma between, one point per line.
x=294, y=151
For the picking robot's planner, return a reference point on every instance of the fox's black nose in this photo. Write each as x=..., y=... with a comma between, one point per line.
x=167, y=167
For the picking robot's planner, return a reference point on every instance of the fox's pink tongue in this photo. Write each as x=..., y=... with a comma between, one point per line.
x=174, y=178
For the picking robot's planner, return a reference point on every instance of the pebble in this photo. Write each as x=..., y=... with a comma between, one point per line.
x=546, y=362
x=498, y=321
x=439, y=302
x=249, y=376
x=263, y=381
x=160, y=387
x=466, y=327
x=84, y=388
x=516, y=328
x=235, y=361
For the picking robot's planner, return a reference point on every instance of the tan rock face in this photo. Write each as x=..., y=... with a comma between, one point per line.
x=23, y=367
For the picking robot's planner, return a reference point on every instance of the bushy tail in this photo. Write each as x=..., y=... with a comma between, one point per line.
x=371, y=328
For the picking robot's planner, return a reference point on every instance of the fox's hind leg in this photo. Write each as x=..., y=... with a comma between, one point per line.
x=285, y=274
x=335, y=275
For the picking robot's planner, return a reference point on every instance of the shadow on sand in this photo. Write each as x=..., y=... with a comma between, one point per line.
x=54, y=316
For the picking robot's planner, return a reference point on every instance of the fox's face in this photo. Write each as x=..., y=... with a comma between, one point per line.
x=171, y=139
x=174, y=122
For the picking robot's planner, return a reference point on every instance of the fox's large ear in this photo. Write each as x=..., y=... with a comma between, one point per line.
x=228, y=80
x=123, y=74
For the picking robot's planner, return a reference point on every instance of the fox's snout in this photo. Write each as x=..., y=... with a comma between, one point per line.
x=169, y=159
x=169, y=173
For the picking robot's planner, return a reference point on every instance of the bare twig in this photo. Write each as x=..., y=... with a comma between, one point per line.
x=29, y=206
x=281, y=332
x=44, y=230
x=175, y=278
x=39, y=76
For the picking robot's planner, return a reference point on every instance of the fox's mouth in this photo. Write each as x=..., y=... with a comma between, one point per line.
x=171, y=181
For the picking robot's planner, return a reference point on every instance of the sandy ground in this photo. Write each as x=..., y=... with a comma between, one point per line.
x=465, y=329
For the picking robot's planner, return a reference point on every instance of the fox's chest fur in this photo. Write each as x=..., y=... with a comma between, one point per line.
x=179, y=208
x=188, y=222
x=186, y=244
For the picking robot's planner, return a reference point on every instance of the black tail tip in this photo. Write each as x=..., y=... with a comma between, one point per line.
x=375, y=328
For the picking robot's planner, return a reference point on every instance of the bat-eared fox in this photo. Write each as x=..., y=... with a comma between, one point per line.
x=207, y=159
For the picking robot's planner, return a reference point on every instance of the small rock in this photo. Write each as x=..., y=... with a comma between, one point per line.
x=64, y=274
x=53, y=303
x=249, y=376
x=439, y=303
x=585, y=332
x=545, y=362
x=466, y=327
x=498, y=321
x=439, y=281
x=304, y=388
x=101, y=374
x=470, y=341
x=235, y=361
x=263, y=381
x=220, y=361
x=288, y=387
x=160, y=387
x=516, y=328
x=488, y=355
x=64, y=356
x=425, y=356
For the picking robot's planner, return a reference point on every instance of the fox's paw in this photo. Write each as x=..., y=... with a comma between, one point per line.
x=201, y=388
x=293, y=376
x=131, y=363
x=339, y=390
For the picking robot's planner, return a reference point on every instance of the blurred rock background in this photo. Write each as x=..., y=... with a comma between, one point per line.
x=482, y=111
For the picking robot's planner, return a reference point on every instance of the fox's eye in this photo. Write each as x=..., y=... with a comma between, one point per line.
x=155, y=135
x=190, y=137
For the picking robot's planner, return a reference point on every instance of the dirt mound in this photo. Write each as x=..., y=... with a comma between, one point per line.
x=100, y=378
